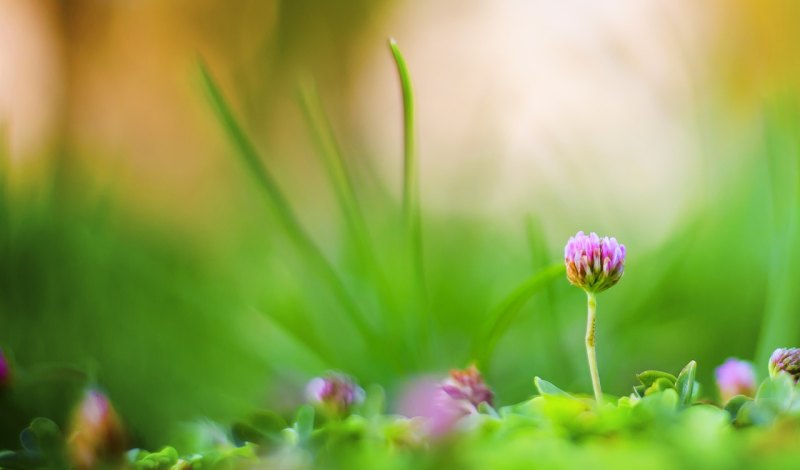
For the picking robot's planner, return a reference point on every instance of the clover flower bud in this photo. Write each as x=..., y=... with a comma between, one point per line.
x=96, y=435
x=467, y=387
x=735, y=377
x=335, y=393
x=593, y=263
x=5, y=371
x=443, y=403
x=785, y=360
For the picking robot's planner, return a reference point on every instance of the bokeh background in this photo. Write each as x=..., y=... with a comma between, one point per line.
x=137, y=253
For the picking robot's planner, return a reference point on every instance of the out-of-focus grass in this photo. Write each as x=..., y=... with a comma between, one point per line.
x=90, y=296
x=174, y=333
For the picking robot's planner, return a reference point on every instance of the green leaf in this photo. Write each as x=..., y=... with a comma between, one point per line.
x=487, y=409
x=751, y=413
x=685, y=383
x=776, y=393
x=43, y=439
x=546, y=388
x=661, y=403
x=304, y=423
x=18, y=460
x=246, y=432
x=659, y=385
x=268, y=422
x=735, y=404
x=375, y=402
x=262, y=428
x=649, y=376
x=164, y=459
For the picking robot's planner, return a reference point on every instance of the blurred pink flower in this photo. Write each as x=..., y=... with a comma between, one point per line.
x=735, y=377
x=96, y=435
x=5, y=371
x=443, y=403
x=785, y=360
x=335, y=393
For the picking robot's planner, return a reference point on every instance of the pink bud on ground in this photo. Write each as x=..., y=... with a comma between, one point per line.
x=735, y=377
x=5, y=371
x=96, y=436
x=785, y=360
x=335, y=393
x=443, y=403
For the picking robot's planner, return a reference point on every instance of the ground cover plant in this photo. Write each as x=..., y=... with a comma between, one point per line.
x=373, y=319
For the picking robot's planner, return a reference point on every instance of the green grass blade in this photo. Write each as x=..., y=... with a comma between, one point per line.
x=249, y=156
x=780, y=323
x=303, y=337
x=411, y=203
x=251, y=159
x=412, y=218
x=503, y=315
x=541, y=258
x=332, y=159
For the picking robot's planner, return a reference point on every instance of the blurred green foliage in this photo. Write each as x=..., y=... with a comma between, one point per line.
x=88, y=296
x=175, y=330
x=661, y=426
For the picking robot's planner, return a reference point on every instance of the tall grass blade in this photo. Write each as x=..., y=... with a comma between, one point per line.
x=333, y=160
x=302, y=337
x=780, y=324
x=412, y=217
x=289, y=222
x=411, y=204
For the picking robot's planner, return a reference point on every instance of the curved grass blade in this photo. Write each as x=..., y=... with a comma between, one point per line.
x=249, y=155
x=505, y=312
x=411, y=204
x=305, y=338
x=332, y=159
x=780, y=323
x=412, y=217
x=289, y=222
x=335, y=165
x=541, y=257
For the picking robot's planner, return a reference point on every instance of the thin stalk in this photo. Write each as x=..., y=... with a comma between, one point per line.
x=411, y=198
x=590, y=342
x=782, y=148
x=411, y=204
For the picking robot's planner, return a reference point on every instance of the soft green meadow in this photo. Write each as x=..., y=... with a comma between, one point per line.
x=130, y=345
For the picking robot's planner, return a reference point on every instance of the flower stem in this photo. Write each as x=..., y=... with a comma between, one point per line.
x=590, y=340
